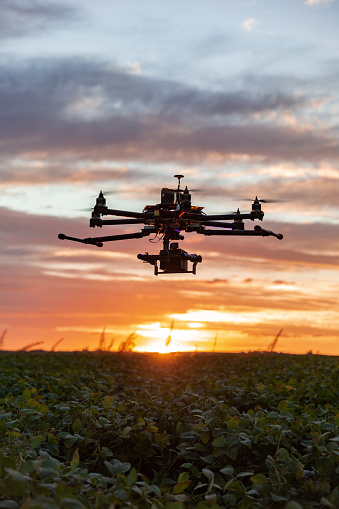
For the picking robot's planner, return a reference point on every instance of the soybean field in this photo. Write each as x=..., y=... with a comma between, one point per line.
x=112, y=430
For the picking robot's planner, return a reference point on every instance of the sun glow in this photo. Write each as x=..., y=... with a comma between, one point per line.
x=207, y=315
x=167, y=340
x=159, y=346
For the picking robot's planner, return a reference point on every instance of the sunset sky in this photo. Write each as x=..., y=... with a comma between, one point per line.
x=242, y=98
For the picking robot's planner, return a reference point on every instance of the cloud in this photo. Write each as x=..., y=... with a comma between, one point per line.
x=133, y=68
x=82, y=109
x=317, y=2
x=34, y=171
x=250, y=24
x=307, y=190
x=20, y=18
x=213, y=44
x=50, y=287
x=33, y=240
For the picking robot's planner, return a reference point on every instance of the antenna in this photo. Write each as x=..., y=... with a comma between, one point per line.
x=179, y=177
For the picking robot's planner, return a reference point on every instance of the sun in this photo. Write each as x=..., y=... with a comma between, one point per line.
x=159, y=346
x=166, y=340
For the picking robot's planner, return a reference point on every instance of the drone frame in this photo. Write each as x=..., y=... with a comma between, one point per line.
x=173, y=215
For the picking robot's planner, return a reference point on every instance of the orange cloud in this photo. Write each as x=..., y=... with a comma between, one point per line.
x=51, y=290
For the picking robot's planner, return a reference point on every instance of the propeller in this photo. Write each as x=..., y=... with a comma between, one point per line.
x=190, y=190
x=106, y=193
x=100, y=197
x=262, y=201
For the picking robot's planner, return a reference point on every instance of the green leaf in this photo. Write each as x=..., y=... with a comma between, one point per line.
x=282, y=406
x=229, y=500
x=155, y=489
x=293, y=505
x=205, y=436
x=326, y=502
x=26, y=394
x=116, y=467
x=108, y=402
x=9, y=504
x=259, y=479
x=13, y=434
x=188, y=389
x=244, y=474
x=132, y=477
x=72, y=503
x=219, y=442
x=76, y=426
x=13, y=488
x=36, y=441
x=64, y=491
x=17, y=476
x=227, y=470
x=126, y=432
x=208, y=459
x=180, y=487
x=235, y=486
x=208, y=473
x=324, y=465
x=75, y=459
x=278, y=498
x=183, y=477
x=70, y=440
x=283, y=455
x=232, y=424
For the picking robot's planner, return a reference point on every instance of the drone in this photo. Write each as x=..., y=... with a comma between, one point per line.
x=166, y=220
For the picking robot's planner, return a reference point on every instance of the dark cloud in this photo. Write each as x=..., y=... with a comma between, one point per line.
x=67, y=174
x=20, y=18
x=81, y=109
x=299, y=195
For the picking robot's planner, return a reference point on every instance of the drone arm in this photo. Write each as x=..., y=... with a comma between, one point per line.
x=266, y=233
x=217, y=224
x=124, y=236
x=236, y=216
x=257, y=232
x=98, y=241
x=125, y=213
x=95, y=242
x=247, y=233
x=100, y=222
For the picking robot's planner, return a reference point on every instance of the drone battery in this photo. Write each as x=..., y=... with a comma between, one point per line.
x=174, y=265
x=168, y=197
x=172, y=260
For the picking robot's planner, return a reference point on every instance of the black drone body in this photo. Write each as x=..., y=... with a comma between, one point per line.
x=172, y=215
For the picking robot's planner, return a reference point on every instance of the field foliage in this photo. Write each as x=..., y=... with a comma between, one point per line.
x=115, y=430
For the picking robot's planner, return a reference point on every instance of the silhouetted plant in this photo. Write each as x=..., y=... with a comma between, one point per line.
x=56, y=344
x=29, y=346
x=272, y=345
x=128, y=344
x=2, y=338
